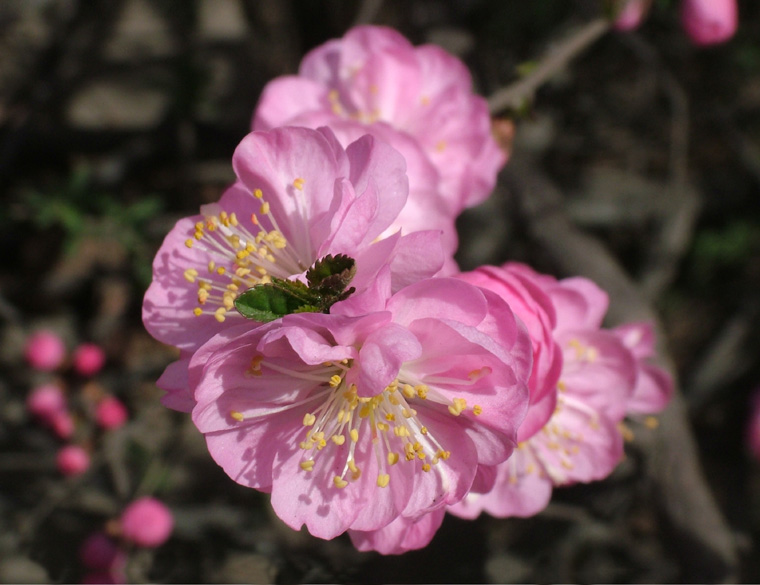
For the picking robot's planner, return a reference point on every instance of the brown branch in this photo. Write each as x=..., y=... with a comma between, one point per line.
x=702, y=539
x=556, y=59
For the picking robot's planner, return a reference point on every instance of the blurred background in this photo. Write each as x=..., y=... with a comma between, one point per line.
x=637, y=164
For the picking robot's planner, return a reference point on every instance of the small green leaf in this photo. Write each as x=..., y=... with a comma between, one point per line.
x=267, y=302
x=332, y=274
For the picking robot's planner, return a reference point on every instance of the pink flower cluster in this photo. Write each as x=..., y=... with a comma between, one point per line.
x=48, y=403
x=376, y=409
x=706, y=22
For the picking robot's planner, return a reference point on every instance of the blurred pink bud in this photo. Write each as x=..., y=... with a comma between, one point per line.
x=72, y=460
x=46, y=401
x=88, y=359
x=62, y=424
x=45, y=351
x=753, y=430
x=632, y=15
x=147, y=522
x=708, y=22
x=110, y=413
x=100, y=552
x=104, y=577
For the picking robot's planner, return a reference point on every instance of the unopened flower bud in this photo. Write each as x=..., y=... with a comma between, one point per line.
x=708, y=22
x=147, y=522
x=45, y=351
x=110, y=413
x=45, y=401
x=72, y=460
x=88, y=359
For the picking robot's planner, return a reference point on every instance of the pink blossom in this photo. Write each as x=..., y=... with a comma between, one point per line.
x=101, y=552
x=299, y=197
x=110, y=413
x=45, y=351
x=632, y=15
x=62, y=424
x=708, y=22
x=385, y=408
x=534, y=308
x=581, y=441
x=654, y=385
x=147, y=522
x=72, y=460
x=45, y=401
x=418, y=98
x=88, y=359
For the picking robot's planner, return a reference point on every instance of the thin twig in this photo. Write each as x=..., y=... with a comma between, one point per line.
x=557, y=58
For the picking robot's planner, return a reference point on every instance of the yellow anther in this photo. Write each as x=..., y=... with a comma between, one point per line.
x=257, y=193
x=392, y=458
x=426, y=467
x=211, y=265
x=309, y=419
x=197, y=311
x=341, y=415
x=190, y=274
x=219, y=314
x=298, y=183
x=204, y=285
x=189, y=242
x=338, y=439
x=390, y=416
x=264, y=209
x=651, y=422
x=401, y=431
x=354, y=434
x=221, y=270
x=198, y=235
x=393, y=399
x=199, y=226
x=306, y=445
x=424, y=430
x=238, y=416
x=408, y=390
x=566, y=464
x=422, y=391
x=339, y=482
x=383, y=426
x=364, y=411
x=383, y=479
x=409, y=412
x=307, y=465
x=335, y=380
x=233, y=219
x=477, y=410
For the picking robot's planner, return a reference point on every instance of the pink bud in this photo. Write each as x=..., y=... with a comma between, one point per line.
x=632, y=15
x=708, y=22
x=103, y=578
x=753, y=428
x=147, y=522
x=100, y=552
x=88, y=359
x=62, y=424
x=45, y=351
x=46, y=401
x=110, y=413
x=72, y=460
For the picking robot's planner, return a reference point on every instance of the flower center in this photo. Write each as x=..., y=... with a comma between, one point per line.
x=341, y=419
x=241, y=255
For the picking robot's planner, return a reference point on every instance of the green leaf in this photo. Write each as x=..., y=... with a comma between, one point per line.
x=332, y=274
x=267, y=302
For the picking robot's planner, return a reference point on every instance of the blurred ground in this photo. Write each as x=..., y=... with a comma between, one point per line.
x=117, y=117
